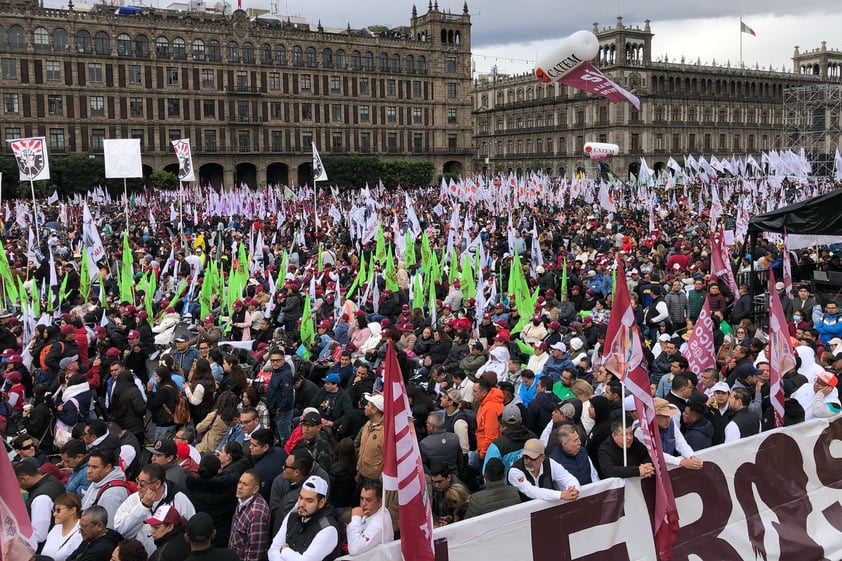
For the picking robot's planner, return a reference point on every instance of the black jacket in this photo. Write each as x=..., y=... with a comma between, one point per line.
x=611, y=458
x=99, y=549
x=171, y=547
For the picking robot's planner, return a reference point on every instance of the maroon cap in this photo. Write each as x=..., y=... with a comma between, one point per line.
x=113, y=352
x=324, y=324
x=133, y=334
x=68, y=330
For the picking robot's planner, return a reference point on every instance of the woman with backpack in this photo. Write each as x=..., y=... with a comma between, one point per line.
x=73, y=402
x=162, y=400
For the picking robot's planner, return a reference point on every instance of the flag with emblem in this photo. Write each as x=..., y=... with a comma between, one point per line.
x=185, y=159
x=319, y=171
x=32, y=159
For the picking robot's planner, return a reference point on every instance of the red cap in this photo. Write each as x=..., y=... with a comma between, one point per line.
x=113, y=352
x=68, y=330
x=324, y=324
x=131, y=309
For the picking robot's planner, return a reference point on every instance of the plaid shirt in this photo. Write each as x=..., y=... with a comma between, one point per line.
x=250, y=530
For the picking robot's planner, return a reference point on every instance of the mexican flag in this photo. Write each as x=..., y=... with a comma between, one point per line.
x=746, y=29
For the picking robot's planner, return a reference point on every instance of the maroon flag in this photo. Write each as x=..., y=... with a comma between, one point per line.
x=16, y=528
x=787, y=267
x=586, y=77
x=781, y=358
x=701, y=354
x=721, y=262
x=623, y=356
x=402, y=468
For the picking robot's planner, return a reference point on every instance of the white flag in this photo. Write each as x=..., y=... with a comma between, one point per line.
x=122, y=158
x=31, y=155
x=185, y=159
x=319, y=172
x=52, y=199
x=90, y=236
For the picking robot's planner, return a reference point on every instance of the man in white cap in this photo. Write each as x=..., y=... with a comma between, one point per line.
x=308, y=531
x=536, y=476
x=370, y=458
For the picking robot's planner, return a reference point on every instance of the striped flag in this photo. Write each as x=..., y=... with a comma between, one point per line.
x=746, y=29
x=17, y=529
x=781, y=358
x=402, y=469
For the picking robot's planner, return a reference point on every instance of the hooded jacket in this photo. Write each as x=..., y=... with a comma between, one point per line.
x=540, y=410
x=602, y=426
x=99, y=549
x=488, y=427
x=111, y=498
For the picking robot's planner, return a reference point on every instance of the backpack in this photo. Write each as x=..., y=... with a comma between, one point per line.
x=181, y=414
x=129, y=486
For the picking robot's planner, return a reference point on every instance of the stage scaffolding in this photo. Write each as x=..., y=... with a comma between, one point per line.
x=813, y=121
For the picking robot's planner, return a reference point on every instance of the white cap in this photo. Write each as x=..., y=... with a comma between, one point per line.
x=664, y=337
x=316, y=484
x=560, y=346
x=374, y=399
x=835, y=342
x=721, y=387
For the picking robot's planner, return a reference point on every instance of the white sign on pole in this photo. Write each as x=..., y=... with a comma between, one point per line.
x=122, y=158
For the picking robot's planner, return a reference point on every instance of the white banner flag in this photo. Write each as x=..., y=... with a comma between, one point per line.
x=90, y=236
x=122, y=158
x=185, y=159
x=319, y=172
x=31, y=155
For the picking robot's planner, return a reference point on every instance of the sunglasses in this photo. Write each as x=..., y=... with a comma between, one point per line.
x=27, y=447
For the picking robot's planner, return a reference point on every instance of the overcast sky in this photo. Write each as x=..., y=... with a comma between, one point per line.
x=504, y=29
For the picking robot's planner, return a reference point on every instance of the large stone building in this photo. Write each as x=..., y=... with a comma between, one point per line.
x=686, y=108
x=250, y=93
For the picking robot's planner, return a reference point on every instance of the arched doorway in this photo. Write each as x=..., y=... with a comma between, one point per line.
x=211, y=174
x=277, y=174
x=452, y=168
x=660, y=167
x=305, y=173
x=634, y=169
x=246, y=174
x=562, y=172
x=147, y=174
x=172, y=168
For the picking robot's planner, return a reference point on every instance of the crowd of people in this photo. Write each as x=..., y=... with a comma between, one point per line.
x=143, y=428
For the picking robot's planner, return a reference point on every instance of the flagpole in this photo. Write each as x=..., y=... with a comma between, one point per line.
x=35, y=212
x=741, y=41
x=623, y=401
x=126, y=194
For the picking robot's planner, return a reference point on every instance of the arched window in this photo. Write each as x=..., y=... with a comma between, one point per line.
x=41, y=39
x=410, y=64
x=162, y=47
x=83, y=42
x=327, y=58
x=2, y=36
x=356, y=61
x=233, y=52
x=422, y=64
x=214, y=51
x=103, y=43
x=60, y=41
x=311, y=57
x=265, y=53
x=248, y=53
x=141, y=46
x=297, y=56
x=179, y=51
x=340, y=59
x=396, y=63
x=384, y=62
x=17, y=38
x=280, y=55
x=368, y=61
x=198, y=49
x=124, y=45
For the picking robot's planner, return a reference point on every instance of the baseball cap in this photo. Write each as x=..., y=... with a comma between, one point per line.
x=540, y=345
x=533, y=448
x=664, y=337
x=317, y=484
x=511, y=415
x=721, y=387
x=576, y=343
x=374, y=399
x=828, y=378
x=200, y=527
x=311, y=418
x=165, y=514
x=68, y=330
x=181, y=339
x=454, y=395
x=332, y=378
x=164, y=447
x=566, y=409
x=63, y=363
x=134, y=334
x=559, y=347
x=113, y=352
x=836, y=341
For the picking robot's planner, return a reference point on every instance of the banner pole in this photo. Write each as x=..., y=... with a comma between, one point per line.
x=623, y=404
x=35, y=212
x=126, y=195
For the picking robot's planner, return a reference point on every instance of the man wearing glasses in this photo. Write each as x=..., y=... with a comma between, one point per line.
x=826, y=401
x=99, y=540
x=249, y=423
x=153, y=491
x=298, y=466
x=27, y=450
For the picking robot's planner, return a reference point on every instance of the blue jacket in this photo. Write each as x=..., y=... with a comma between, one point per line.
x=281, y=395
x=829, y=326
x=78, y=481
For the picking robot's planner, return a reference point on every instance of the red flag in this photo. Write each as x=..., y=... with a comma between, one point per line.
x=17, y=528
x=701, y=354
x=402, y=468
x=781, y=358
x=623, y=356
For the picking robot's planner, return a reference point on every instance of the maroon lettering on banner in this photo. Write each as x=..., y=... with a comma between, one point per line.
x=828, y=466
x=699, y=538
x=780, y=482
x=552, y=527
x=440, y=549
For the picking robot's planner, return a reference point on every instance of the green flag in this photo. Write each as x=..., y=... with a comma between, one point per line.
x=308, y=331
x=85, y=275
x=417, y=292
x=359, y=279
x=36, y=300
x=208, y=282
x=391, y=274
x=409, y=255
x=62, y=291
x=380, y=247
x=151, y=289
x=563, y=279
x=319, y=266
x=453, y=272
x=525, y=348
x=127, y=272
x=469, y=287
x=6, y=273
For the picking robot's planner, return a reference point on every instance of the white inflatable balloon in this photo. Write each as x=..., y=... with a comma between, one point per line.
x=601, y=150
x=578, y=48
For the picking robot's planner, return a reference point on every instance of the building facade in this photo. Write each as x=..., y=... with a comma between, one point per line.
x=252, y=94
x=686, y=108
